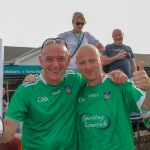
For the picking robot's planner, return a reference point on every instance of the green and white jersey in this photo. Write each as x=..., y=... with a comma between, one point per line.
x=48, y=113
x=104, y=115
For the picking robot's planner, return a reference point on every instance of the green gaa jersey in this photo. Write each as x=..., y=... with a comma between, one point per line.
x=48, y=113
x=104, y=115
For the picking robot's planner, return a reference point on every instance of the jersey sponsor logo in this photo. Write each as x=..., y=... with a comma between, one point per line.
x=100, y=122
x=107, y=95
x=42, y=99
x=55, y=93
x=81, y=100
x=68, y=89
x=93, y=95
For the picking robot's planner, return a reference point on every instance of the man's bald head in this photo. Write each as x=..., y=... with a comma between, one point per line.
x=89, y=63
x=117, y=36
x=86, y=49
x=117, y=31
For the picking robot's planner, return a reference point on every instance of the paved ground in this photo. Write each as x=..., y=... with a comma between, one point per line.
x=144, y=140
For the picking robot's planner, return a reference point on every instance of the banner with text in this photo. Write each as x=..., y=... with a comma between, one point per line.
x=21, y=70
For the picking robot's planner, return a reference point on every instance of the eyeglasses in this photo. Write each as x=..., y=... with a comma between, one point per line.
x=53, y=40
x=80, y=23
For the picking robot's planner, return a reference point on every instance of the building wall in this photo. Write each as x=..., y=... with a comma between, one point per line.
x=33, y=60
x=30, y=61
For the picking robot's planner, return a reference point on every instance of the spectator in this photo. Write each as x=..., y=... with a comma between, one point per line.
x=119, y=56
x=76, y=37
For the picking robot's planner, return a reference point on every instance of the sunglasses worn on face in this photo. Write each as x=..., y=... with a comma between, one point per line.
x=53, y=40
x=80, y=23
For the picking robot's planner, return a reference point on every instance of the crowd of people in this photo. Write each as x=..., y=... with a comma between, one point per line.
x=84, y=109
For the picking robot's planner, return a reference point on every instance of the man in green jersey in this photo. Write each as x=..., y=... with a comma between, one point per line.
x=104, y=108
x=47, y=107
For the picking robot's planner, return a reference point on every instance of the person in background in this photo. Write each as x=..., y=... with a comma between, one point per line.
x=119, y=56
x=76, y=37
x=103, y=108
x=47, y=107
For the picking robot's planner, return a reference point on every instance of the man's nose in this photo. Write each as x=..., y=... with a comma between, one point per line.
x=55, y=63
x=88, y=65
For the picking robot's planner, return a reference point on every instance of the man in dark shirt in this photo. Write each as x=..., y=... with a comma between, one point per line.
x=119, y=56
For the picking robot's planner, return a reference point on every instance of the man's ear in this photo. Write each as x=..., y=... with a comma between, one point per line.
x=40, y=60
x=76, y=61
x=76, y=58
x=101, y=59
x=68, y=60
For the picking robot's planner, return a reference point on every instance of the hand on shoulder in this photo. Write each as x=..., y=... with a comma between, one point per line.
x=30, y=78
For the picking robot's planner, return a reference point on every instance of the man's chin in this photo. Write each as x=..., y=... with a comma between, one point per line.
x=118, y=43
x=56, y=79
x=88, y=77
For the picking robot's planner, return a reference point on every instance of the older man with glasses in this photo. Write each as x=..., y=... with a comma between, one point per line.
x=47, y=107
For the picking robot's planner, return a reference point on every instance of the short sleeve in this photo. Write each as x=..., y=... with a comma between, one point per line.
x=19, y=105
x=132, y=96
x=92, y=40
x=106, y=52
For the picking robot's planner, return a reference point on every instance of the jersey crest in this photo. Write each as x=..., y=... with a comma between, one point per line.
x=107, y=95
x=68, y=89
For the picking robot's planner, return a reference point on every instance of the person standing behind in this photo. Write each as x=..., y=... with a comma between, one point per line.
x=76, y=37
x=119, y=56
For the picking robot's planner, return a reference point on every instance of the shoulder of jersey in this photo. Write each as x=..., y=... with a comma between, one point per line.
x=26, y=84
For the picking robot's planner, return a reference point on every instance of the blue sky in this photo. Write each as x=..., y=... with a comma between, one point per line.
x=27, y=23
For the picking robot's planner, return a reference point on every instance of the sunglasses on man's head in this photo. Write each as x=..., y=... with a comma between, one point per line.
x=53, y=40
x=80, y=23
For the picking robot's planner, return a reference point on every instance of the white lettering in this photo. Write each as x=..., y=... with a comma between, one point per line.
x=81, y=99
x=42, y=99
x=93, y=95
x=96, y=117
x=54, y=93
x=93, y=125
